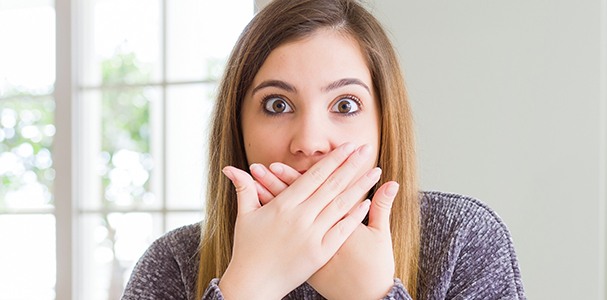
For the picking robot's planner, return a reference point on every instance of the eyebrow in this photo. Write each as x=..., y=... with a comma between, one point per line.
x=275, y=83
x=343, y=82
x=290, y=88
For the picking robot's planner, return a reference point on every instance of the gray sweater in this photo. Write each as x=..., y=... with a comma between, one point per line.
x=466, y=253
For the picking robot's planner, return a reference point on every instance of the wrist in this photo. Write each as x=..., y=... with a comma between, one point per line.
x=387, y=288
x=378, y=289
x=235, y=285
x=234, y=288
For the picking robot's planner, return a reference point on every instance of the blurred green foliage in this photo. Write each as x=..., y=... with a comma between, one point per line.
x=125, y=131
x=27, y=130
x=26, y=136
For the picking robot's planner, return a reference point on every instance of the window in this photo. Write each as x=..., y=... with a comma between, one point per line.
x=27, y=220
x=125, y=120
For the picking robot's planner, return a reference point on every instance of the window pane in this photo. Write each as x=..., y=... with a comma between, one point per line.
x=27, y=54
x=27, y=256
x=188, y=110
x=121, y=26
x=110, y=245
x=118, y=160
x=139, y=141
x=26, y=135
x=200, y=35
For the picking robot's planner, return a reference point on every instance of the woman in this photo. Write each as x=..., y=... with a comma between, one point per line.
x=313, y=103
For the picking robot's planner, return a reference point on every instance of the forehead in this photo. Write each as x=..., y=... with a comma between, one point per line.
x=323, y=56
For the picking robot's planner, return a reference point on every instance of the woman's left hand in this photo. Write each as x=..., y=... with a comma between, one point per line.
x=363, y=268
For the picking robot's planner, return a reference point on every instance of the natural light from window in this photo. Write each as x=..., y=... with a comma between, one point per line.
x=147, y=71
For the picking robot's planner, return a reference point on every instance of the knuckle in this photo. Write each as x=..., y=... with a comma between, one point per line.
x=272, y=185
x=335, y=183
x=341, y=203
x=355, y=162
x=281, y=209
x=384, y=204
x=317, y=174
x=342, y=228
x=241, y=188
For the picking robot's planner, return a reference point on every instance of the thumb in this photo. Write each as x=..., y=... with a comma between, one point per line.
x=379, y=213
x=246, y=191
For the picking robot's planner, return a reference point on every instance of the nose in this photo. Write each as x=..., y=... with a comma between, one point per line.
x=311, y=137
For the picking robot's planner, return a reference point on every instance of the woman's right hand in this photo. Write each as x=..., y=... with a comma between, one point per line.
x=279, y=245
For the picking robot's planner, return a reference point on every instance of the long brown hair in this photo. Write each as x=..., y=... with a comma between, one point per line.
x=282, y=21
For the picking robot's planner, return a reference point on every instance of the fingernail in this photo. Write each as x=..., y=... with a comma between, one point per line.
x=228, y=173
x=365, y=150
x=392, y=189
x=349, y=147
x=276, y=168
x=365, y=205
x=374, y=173
x=258, y=170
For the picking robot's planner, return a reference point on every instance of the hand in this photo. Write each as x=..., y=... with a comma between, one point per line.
x=280, y=245
x=363, y=268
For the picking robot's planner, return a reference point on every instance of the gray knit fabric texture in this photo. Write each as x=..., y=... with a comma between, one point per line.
x=466, y=253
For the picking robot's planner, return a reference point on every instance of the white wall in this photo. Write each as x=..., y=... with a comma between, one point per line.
x=259, y=4
x=510, y=107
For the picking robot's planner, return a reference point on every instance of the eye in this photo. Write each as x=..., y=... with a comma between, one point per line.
x=346, y=105
x=276, y=105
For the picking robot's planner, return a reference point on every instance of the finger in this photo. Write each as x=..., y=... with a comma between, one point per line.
x=379, y=214
x=284, y=172
x=338, y=234
x=309, y=182
x=348, y=173
x=264, y=195
x=267, y=179
x=245, y=189
x=344, y=202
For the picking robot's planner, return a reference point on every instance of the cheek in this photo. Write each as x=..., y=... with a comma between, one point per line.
x=366, y=131
x=263, y=144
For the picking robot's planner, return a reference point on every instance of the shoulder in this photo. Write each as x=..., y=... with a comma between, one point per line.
x=171, y=259
x=448, y=211
x=465, y=245
x=183, y=239
x=180, y=244
x=441, y=202
x=461, y=220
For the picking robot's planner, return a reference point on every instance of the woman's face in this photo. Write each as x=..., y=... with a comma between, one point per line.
x=309, y=97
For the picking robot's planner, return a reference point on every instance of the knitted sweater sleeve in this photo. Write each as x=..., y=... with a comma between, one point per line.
x=467, y=252
x=168, y=269
x=487, y=267
x=156, y=275
x=213, y=292
x=398, y=292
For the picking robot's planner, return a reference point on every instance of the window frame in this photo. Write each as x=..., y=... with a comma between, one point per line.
x=66, y=152
x=63, y=150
